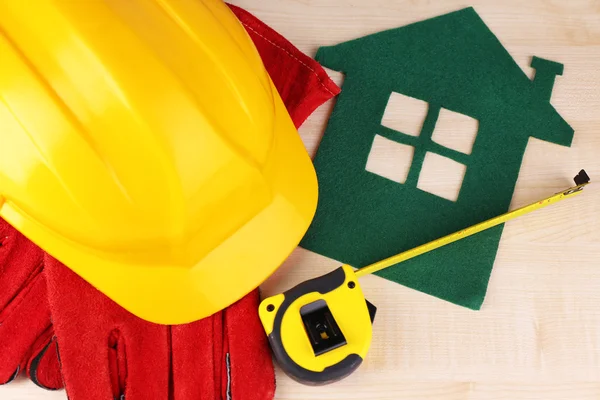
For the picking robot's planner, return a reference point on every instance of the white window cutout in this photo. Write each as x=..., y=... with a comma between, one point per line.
x=441, y=176
x=404, y=114
x=455, y=131
x=390, y=159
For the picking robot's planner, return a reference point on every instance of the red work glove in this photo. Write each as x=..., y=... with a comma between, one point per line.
x=107, y=353
x=26, y=336
x=301, y=81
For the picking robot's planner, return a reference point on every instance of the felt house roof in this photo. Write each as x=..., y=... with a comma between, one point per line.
x=449, y=54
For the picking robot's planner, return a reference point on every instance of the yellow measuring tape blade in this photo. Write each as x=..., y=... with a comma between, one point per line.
x=482, y=226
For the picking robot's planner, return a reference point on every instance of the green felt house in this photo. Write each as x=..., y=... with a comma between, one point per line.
x=453, y=63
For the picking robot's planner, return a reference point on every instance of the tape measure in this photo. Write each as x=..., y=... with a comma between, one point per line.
x=320, y=330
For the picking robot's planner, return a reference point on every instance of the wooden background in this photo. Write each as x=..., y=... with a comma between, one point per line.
x=538, y=334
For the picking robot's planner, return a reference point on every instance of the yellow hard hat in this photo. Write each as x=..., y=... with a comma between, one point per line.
x=142, y=144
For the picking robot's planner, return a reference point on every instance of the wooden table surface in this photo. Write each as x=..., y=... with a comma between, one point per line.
x=538, y=333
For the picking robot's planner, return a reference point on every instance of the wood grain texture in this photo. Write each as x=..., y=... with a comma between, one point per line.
x=538, y=333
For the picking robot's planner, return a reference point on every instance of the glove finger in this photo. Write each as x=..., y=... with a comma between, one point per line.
x=249, y=366
x=93, y=332
x=12, y=377
x=43, y=366
x=117, y=360
x=193, y=358
x=218, y=353
x=24, y=312
x=20, y=263
x=26, y=319
x=225, y=363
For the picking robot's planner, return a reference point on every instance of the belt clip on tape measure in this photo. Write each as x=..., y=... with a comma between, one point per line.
x=320, y=330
